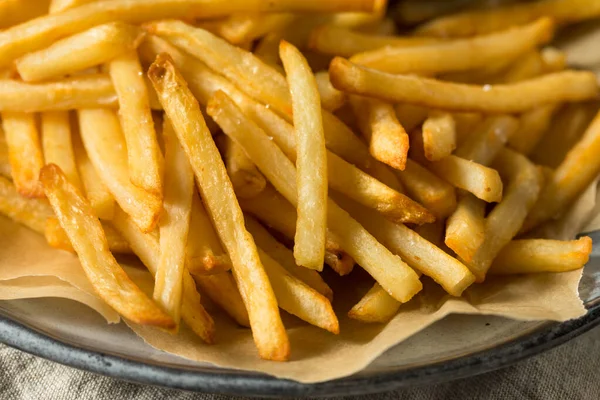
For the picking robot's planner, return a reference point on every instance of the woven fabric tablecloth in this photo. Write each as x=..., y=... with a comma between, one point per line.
x=571, y=371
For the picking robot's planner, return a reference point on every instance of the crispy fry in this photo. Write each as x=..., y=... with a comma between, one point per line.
x=79, y=52
x=388, y=141
x=557, y=87
x=58, y=146
x=173, y=226
x=534, y=124
x=476, y=22
x=146, y=246
x=375, y=306
x=103, y=140
x=439, y=136
x=24, y=152
x=143, y=154
x=285, y=257
x=13, y=12
x=57, y=6
x=465, y=228
x=239, y=28
x=222, y=290
x=331, y=98
x=311, y=160
x=57, y=237
x=533, y=64
x=393, y=274
x=461, y=54
x=571, y=177
x=77, y=92
x=542, y=255
x=246, y=179
x=5, y=169
x=30, y=212
x=86, y=234
x=487, y=139
x=184, y=112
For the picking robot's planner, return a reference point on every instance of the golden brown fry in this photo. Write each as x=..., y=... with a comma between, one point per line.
x=24, y=152
x=311, y=159
x=339, y=41
x=30, y=212
x=487, y=139
x=461, y=54
x=143, y=154
x=13, y=12
x=57, y=237
x=104, y=273
x=57, y=6
x=388, y=141
x=542, y=255
x=331, y=98
x=58, y=146
x=388, y=270
x=557, y=87
x=571, y=177
x=4, y=158
x=476, y=22
x=184, y=112
x=103, y=140
x=222, y=290
x=534, y=125
x=375, y=306
x=439, y=136
x=533, y=64
x=285, y=257
x=465, y=228
x=239, y=28
x=245, y=177
x=82, y=91
x=147, y=248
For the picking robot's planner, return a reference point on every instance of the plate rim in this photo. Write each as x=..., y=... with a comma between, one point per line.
x=233, y=382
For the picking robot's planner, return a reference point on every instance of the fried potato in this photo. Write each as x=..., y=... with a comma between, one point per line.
x=465, y=228
x=144, y=157
x=85, y=233
x=27, y=211
x=411, y=116
x=5, y=169
x=240, y=28
x=57, y=237
x=459, y=55
x=58, y=146
x=512, y=98
x=184, y=112
x=375, y=306
x=83, y=91
x=146, y=246
x=331, y=98
x=223, y=291
x=534, y=125
x=13, y=12
x=487, y=139
x=57, y=6
x=439, y=136
x=528, y=256
x=465, y=123
x=105, y=145
x=24, y=152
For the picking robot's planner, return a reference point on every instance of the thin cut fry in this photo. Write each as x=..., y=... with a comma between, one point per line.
x=13, y=12
x=461, y=54
x=173, y=226
x=104, y=273
x=245, y=177
x=388, y=141
x=184, y=112
x=393, y=274
x=534, y=124
x=24, y=152
x=542, y=255
x=375, y=306
x=331, y=98
x=58, y=146
x=439, y=136
x=518, y=97
x=82, y=91
x=103, y=140
x=487, y=139
x=222, y=290
x=143, y=154
x=240, y=28
x=465, y=228
x=147, y=248
x=5, y=169
x=57, y=6
x=311, y=159
x=57, y=237
x=30, y=212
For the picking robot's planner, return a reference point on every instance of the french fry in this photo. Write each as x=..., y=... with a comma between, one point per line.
x=439, y=136
x=85, y=233
x=24, y=152
x=553, y=59
x=223, y=291
x=58, y=146
x=391, y=272
x=505, y=220
x=528, y=256
x=44, y=31
x=435, y=194
x=246, y=179
x=534, y=124
x=465, y=123
x=476, y=22
x=143, y=154
x=103, y=140
x=276, y=212
x=311, y=159
x=388, y=141
x=411, y=116
x=79, y=52
x=571, y=177
x=487, y=139
x=173, y=226
x=465, y=228
x=239, y=28
x=299, y=299
x=459, y=55
x=512, y=98
x=377, y=306
x=184, y=112
x=146, y=246
x=5, y=169
x=57, y=237
x=331, y=98
x=57, y=6
x=339, y=41
x=82, y=91
x=30, y=212
x=13, y=12
x=533, y=64
x=285, y=257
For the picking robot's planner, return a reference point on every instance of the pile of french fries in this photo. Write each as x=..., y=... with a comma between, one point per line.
x=237, y=147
